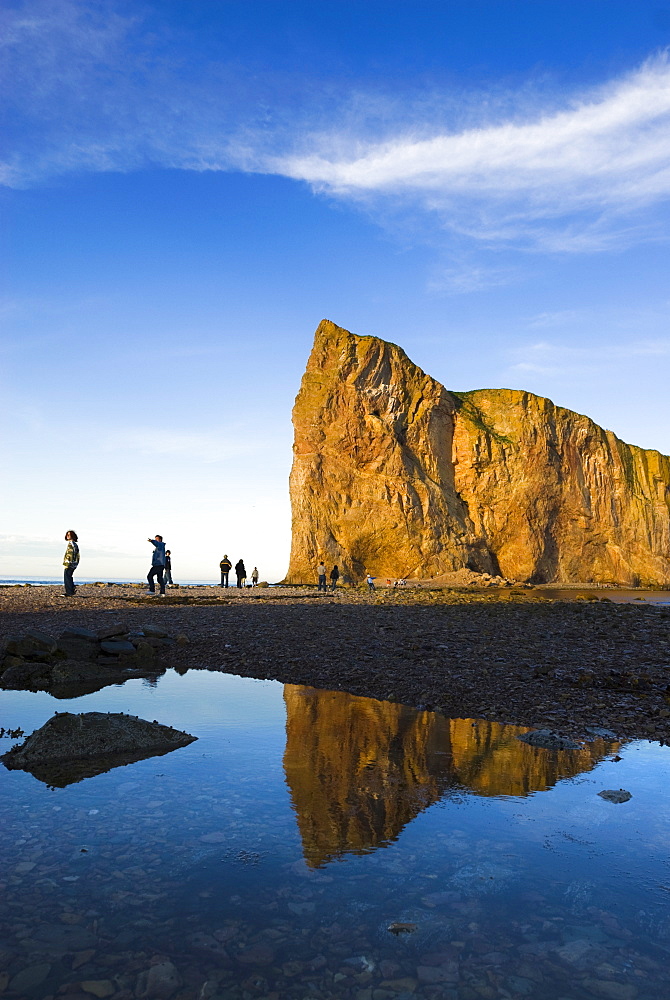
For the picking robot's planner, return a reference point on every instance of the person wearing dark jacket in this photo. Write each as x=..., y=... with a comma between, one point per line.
x=334, y=577
x=70, y=562
x=240, y=573
x=157, y=565
x=225, y=566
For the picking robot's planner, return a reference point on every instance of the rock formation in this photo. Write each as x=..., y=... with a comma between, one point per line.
x=395, y=475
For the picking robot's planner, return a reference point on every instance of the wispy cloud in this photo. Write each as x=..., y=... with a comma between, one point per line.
x=203, y=447
x=95, y=89
x=88, y=87
x=547, y=358
x=574, y=179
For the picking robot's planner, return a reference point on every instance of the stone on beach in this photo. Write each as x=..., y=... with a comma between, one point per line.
x=81, y=660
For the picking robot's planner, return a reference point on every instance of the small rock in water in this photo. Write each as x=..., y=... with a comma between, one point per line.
x=29, y=979
x=213, y=838
x=98, y=987
x=399, y=928
x=361, y=963
x=547, y=739
x=24, y=867
x=160, y=981
x=610, y=991
x=615, y=795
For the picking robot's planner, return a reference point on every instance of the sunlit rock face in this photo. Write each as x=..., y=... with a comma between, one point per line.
x=360, y=770
x=397, y=476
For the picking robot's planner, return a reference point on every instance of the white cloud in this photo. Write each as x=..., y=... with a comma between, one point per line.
x=606, y=156
x=558, y=318
x=43, y=545
x=618, y=136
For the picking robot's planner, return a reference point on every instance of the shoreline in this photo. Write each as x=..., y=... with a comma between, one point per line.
x=504, y=654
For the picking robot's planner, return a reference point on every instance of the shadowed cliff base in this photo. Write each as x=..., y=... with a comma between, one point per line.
x=397, y=476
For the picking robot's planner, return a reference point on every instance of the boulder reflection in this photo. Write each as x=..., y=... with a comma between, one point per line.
x=61, y=773
x=359, y=770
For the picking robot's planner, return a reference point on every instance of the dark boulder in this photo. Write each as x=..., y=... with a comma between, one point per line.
x=70, y=747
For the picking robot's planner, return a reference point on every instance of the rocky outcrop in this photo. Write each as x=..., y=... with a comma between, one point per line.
x=397, y=476
x=79, y=660
x=68, y=748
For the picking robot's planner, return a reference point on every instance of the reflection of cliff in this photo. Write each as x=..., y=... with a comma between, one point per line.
x=487, y=757
x=359, y=770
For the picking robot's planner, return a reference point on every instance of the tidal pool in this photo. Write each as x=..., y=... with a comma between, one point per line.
x=312, y=844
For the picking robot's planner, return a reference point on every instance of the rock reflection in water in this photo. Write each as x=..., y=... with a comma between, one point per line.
x=359, y=770
x=60, y=773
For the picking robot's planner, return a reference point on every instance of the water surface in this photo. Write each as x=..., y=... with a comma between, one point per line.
x=270, y=857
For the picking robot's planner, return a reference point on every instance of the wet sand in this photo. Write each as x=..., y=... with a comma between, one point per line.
x=519, y=656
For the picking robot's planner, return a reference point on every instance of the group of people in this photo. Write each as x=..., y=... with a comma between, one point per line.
x=240, y=572
x=322, y=576
x=161, y=566
x=321, y=573
x=160, y=571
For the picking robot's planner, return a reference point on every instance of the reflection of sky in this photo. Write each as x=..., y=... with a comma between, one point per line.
x=200, y=699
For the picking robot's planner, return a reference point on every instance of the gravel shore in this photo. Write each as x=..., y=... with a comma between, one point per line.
x=504, y=655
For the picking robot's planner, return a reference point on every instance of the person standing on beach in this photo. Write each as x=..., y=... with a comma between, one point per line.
x=254, y=576
x=240, y=573
x=157, y=565
x=370, y=580
x=225, y=566
x=334, y=577
x=168, y=569
x=321, y=573
x=70, y=562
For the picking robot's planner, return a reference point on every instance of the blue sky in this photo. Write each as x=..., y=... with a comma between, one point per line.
x=189, y=188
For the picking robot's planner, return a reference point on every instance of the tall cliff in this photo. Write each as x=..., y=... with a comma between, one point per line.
x=397, y=476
